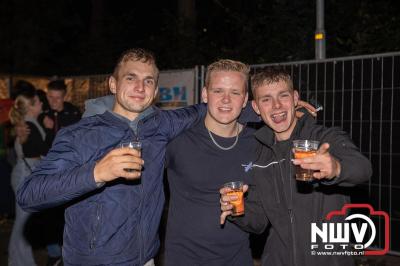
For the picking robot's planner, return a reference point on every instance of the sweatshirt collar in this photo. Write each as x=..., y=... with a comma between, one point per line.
x=133, y=124
x=141, y=115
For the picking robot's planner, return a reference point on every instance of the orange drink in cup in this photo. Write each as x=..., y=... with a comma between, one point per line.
x=303, y=149
x=237, y=190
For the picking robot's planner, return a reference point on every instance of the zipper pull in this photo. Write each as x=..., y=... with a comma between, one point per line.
x=92, y=244
x=291, y=215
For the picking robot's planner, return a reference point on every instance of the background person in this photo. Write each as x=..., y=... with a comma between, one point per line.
x=59, y=112
x=26, y=109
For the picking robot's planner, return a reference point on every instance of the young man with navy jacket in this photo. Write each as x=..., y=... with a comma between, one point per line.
x=112, y=215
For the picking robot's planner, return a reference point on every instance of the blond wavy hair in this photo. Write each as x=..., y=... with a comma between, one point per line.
x=227, y=65
x=20, y=108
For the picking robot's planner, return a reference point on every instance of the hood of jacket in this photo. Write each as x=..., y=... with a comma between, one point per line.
x=98, y=106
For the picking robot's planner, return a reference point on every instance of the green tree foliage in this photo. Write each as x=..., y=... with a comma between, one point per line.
x=362, y=26
x=69, y=37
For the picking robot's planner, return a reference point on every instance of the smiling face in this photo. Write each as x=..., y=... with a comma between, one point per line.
x=134, y=86
x=276, y=102
x=226, y=96
x=56, y=99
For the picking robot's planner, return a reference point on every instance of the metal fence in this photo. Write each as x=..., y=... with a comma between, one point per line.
x=361, y=95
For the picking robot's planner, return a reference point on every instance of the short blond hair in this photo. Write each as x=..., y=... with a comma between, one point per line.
x=136, y=54
x=227, y=65
x=269, y=75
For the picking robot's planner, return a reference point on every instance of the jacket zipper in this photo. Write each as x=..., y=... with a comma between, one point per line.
x=291, y=210
x=289, y=207
x=141, y=237
x=293, y=237
x=95, y=228
x=291, y=217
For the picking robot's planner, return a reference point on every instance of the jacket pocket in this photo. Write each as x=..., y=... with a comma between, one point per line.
x=119, y=219
x=82, y=222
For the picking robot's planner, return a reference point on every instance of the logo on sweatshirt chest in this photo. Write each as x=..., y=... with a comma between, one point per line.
x=248, y=167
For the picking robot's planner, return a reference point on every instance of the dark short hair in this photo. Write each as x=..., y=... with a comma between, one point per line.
x=57, y=85
x=23, y=87
x=268, y=75
x=136, y=54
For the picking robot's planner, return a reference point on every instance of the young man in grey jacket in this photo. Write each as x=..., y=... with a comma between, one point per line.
x=275, y=198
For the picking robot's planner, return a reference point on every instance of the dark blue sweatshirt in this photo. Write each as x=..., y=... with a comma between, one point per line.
x=197, y=169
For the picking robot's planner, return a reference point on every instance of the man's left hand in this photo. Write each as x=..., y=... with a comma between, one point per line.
x=302, y=104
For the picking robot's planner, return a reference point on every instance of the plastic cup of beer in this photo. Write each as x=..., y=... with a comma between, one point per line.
x=303, y=149
x=137, y=145
x=237, y=190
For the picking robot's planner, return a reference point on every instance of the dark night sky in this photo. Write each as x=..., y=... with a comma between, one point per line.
x=69, y=37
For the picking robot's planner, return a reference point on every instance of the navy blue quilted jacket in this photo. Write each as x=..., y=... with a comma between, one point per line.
x=98, y=228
